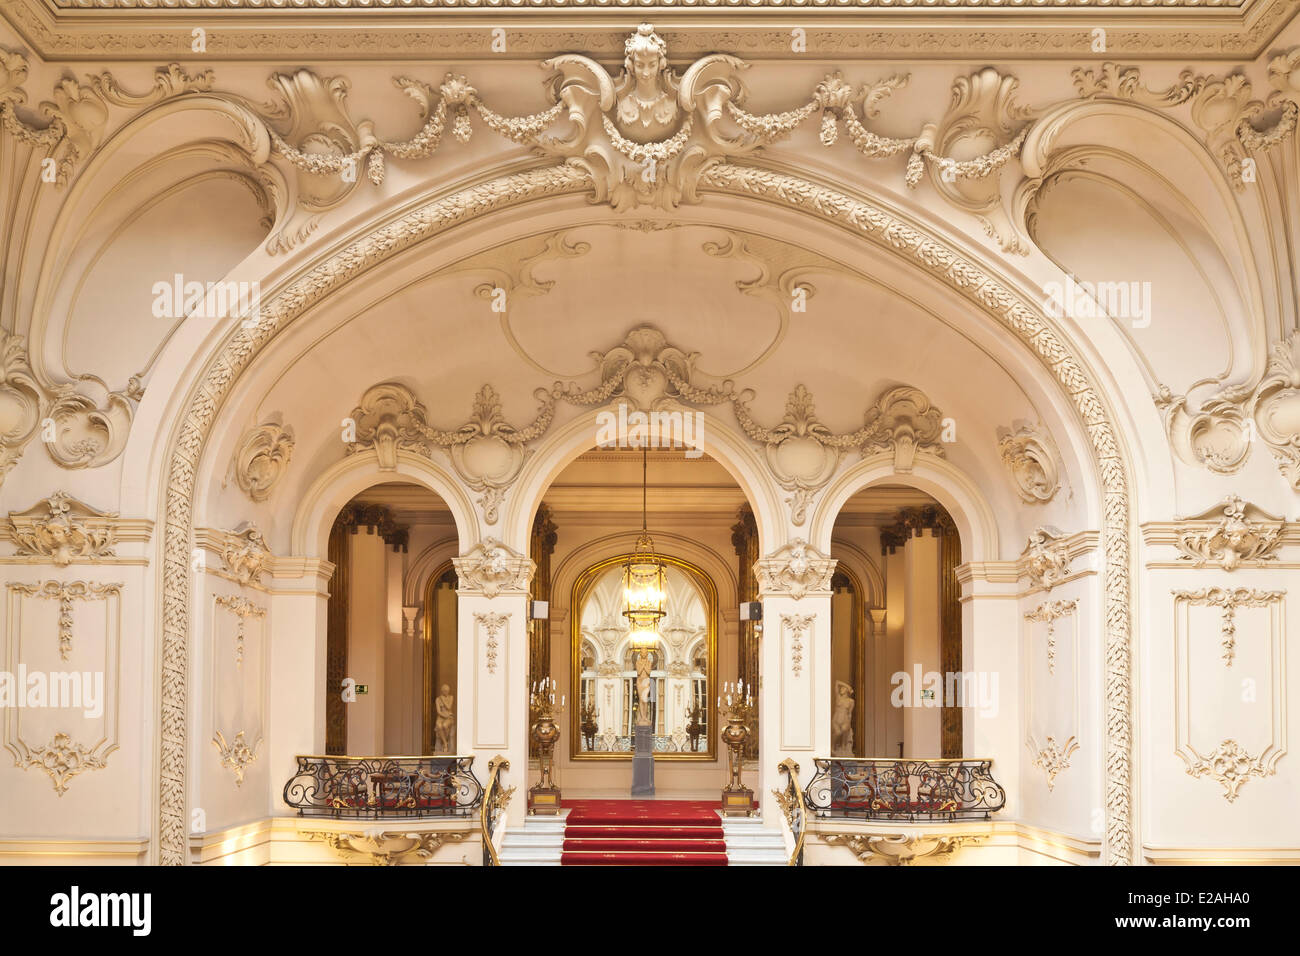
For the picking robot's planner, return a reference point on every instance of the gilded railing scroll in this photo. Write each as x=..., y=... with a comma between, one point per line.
x=494, y=804
x=879, y=788
x=384, y=787
x=791, y=800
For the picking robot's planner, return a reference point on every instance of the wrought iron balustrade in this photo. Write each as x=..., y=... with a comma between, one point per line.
x=882, y=788
x=384, y=787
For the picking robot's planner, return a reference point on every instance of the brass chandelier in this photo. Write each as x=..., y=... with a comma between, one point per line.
x=643, y=581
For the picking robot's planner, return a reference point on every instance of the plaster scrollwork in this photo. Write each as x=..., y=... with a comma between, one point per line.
x=64, y=530
x=1234, y=540
x=487, y=451
x=797, y=626
x=898, y=849
x=381, y=847
x=82, y=423
x=237, y=754
x=493, y=623
x=261, y=458
x=1228, y=600
x=1046, y=558
x=1030, y=458
x=1229, y=765
x=1218, y=434
x=1054, y=758
x=795, y=569
x=245, y=553
x=490, y=568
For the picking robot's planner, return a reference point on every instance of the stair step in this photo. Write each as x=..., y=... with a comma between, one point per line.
x=658, y=846
x=642, y=859
x=707, y=833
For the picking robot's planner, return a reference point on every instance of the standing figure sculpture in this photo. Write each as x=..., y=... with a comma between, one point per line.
x=444, y=724
x=842, y=721
x=644, y=661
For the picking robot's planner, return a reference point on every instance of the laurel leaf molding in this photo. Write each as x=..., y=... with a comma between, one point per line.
x=62, y=530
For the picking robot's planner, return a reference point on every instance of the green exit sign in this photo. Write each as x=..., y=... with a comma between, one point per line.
x=363, y=688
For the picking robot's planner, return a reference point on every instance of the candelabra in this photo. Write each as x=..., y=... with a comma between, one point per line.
x=736, y=707
x=544, y=796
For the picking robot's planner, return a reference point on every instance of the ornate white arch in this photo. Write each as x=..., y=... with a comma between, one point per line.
x=343, y=480
x=424, y=564
x=1005, y=302
x=938, y=478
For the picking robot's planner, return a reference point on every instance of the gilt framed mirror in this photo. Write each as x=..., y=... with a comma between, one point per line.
x=683, y=668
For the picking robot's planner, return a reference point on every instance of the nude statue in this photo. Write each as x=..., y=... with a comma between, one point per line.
x=643, y=664
x=444, y=725
x=842, y=721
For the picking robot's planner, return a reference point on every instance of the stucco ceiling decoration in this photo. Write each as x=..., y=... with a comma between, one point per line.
x=113, y=29
x=649, y=374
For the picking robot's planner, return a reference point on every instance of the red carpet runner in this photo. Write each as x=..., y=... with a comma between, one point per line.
x=643, y=833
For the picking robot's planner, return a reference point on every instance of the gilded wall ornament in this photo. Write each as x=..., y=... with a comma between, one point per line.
x=64, y=530
x=245, y=553
x=236, y=755
x=494, y=624
x=62, y=759
x=796, y=569
x=490, y=568
x=1230, y=766
x=898, y=849
x=1046, y=558
x=1030, y=459
x=1234, y=540
x=1053, y=759
x=261, y=458
x=1228, y=600
x=382, y=847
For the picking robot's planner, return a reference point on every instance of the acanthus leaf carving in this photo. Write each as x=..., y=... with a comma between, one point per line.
x=62, y=759
x=1054, y=758
x=1228, y=600
x=1234, y=540
x=1230, y=766
x=795, y=569
x=1046, y=558
x=898, y=849
x=797, y=625
x=491, y=568
x=245, y=553
x=494, y=624
x=64, y=530
x=236, y=755
x=383, y=847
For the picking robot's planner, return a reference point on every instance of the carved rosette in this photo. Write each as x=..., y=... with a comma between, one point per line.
x=61, y=759
x=261, y=458
x=1046, y=558
x=491, y=568
x=1029, y=457
x=64, y=530
x=1234, y=540
x=795, y=569
x=236, y=755
x=245, y=554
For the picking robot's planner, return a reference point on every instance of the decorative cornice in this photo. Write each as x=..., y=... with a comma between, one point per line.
x=795, y=569
x=491, y=568
x=64, y=530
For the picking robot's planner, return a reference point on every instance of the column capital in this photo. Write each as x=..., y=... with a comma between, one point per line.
x=794, y=570
x=491, y=568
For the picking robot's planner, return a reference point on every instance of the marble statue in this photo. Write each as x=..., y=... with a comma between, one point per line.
x=842, y=721
x=444, y=725
x=643, y=684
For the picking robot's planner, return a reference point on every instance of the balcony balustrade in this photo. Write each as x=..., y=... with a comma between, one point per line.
x=878, y=788
x=376, y=788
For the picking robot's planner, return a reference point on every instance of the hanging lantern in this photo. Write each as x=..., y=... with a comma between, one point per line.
x=643, y=582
